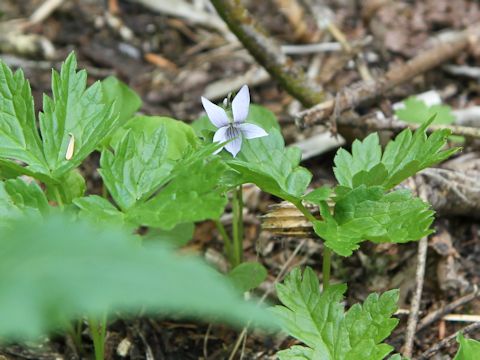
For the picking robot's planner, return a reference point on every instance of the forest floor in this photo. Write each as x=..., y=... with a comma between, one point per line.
x=172, y=58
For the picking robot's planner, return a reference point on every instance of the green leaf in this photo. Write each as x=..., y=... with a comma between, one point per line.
x=180, y=235
x=403, y=157
x=247, y=276
x=296, y=352
x=408, y=154
x=181, y=136
x=74, y=111
x=71, y=186
x=98, y=210
x=318, y=195
x=275, y=169
x=367, y=213
x=56, y=270
x=126, y=101
x=468, y=350
x=25, y=194
x=19, y=138
x=318, y=320
x=75, y=117
x=18, y=198
x=416, y=111
x=193, y=193
x=136, y=166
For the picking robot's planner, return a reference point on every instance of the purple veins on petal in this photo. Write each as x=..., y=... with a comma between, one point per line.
x=215, y=113
x=234, y=146
x=240, y=105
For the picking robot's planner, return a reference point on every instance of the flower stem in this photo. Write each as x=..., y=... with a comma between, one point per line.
x=327, y=253
x=226, y=240
x=326, y=266
x=58, y=197
x=237, y=206
x=98, y=329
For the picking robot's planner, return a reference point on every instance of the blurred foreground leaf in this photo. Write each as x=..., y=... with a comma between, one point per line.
x=57, y=270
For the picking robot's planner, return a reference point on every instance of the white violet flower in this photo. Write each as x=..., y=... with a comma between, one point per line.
x=233, y=130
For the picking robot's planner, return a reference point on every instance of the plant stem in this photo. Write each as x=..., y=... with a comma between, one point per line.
x=98, y=330
x=104, y=191
x=237, y=206
x=305, y=212
x=58, y=197
x=76, y=335
x=327, y=253
x=326, y=266
x=226, y=240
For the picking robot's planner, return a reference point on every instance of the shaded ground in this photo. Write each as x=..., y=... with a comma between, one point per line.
x=170, y=61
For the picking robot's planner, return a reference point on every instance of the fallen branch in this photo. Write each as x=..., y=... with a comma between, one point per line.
x=365, y=91
x=417, y=296
x=440, y=313
x=373, y=123
x=266, y=52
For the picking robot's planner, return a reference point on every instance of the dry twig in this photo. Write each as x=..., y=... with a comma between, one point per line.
x=439, y=313
x=372, y=123
x=266, y=51
x=363, y=92
x=419, y=279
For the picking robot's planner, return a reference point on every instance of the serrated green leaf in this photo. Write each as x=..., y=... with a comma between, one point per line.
x=318, y=320
x=70, y=186
x=403, y=157
x=181, y=136
x=196, y=189
x=416, y=111
x=25, y=194
x=296, y=352
x=136, y=166
x=275, y=169
x=99, y=210
x=19, y=198
x=126, y=101
x=469, y=348
x=19, y=138
x=318, y=195
x=247, y=276
x=56, y=270
x=367, y=213
x=180, y=235
x=74, y=111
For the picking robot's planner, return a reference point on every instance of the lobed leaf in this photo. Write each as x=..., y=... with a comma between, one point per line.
x=318, y=320
x=417, y=111
x=367, y=213
x=275, y=169
x=136, y=166
x=18, y=198
x=73, y=111
x=19, y=138
x=403, y=157
x=99, y=210
x=76, y=118
x=194, y=193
